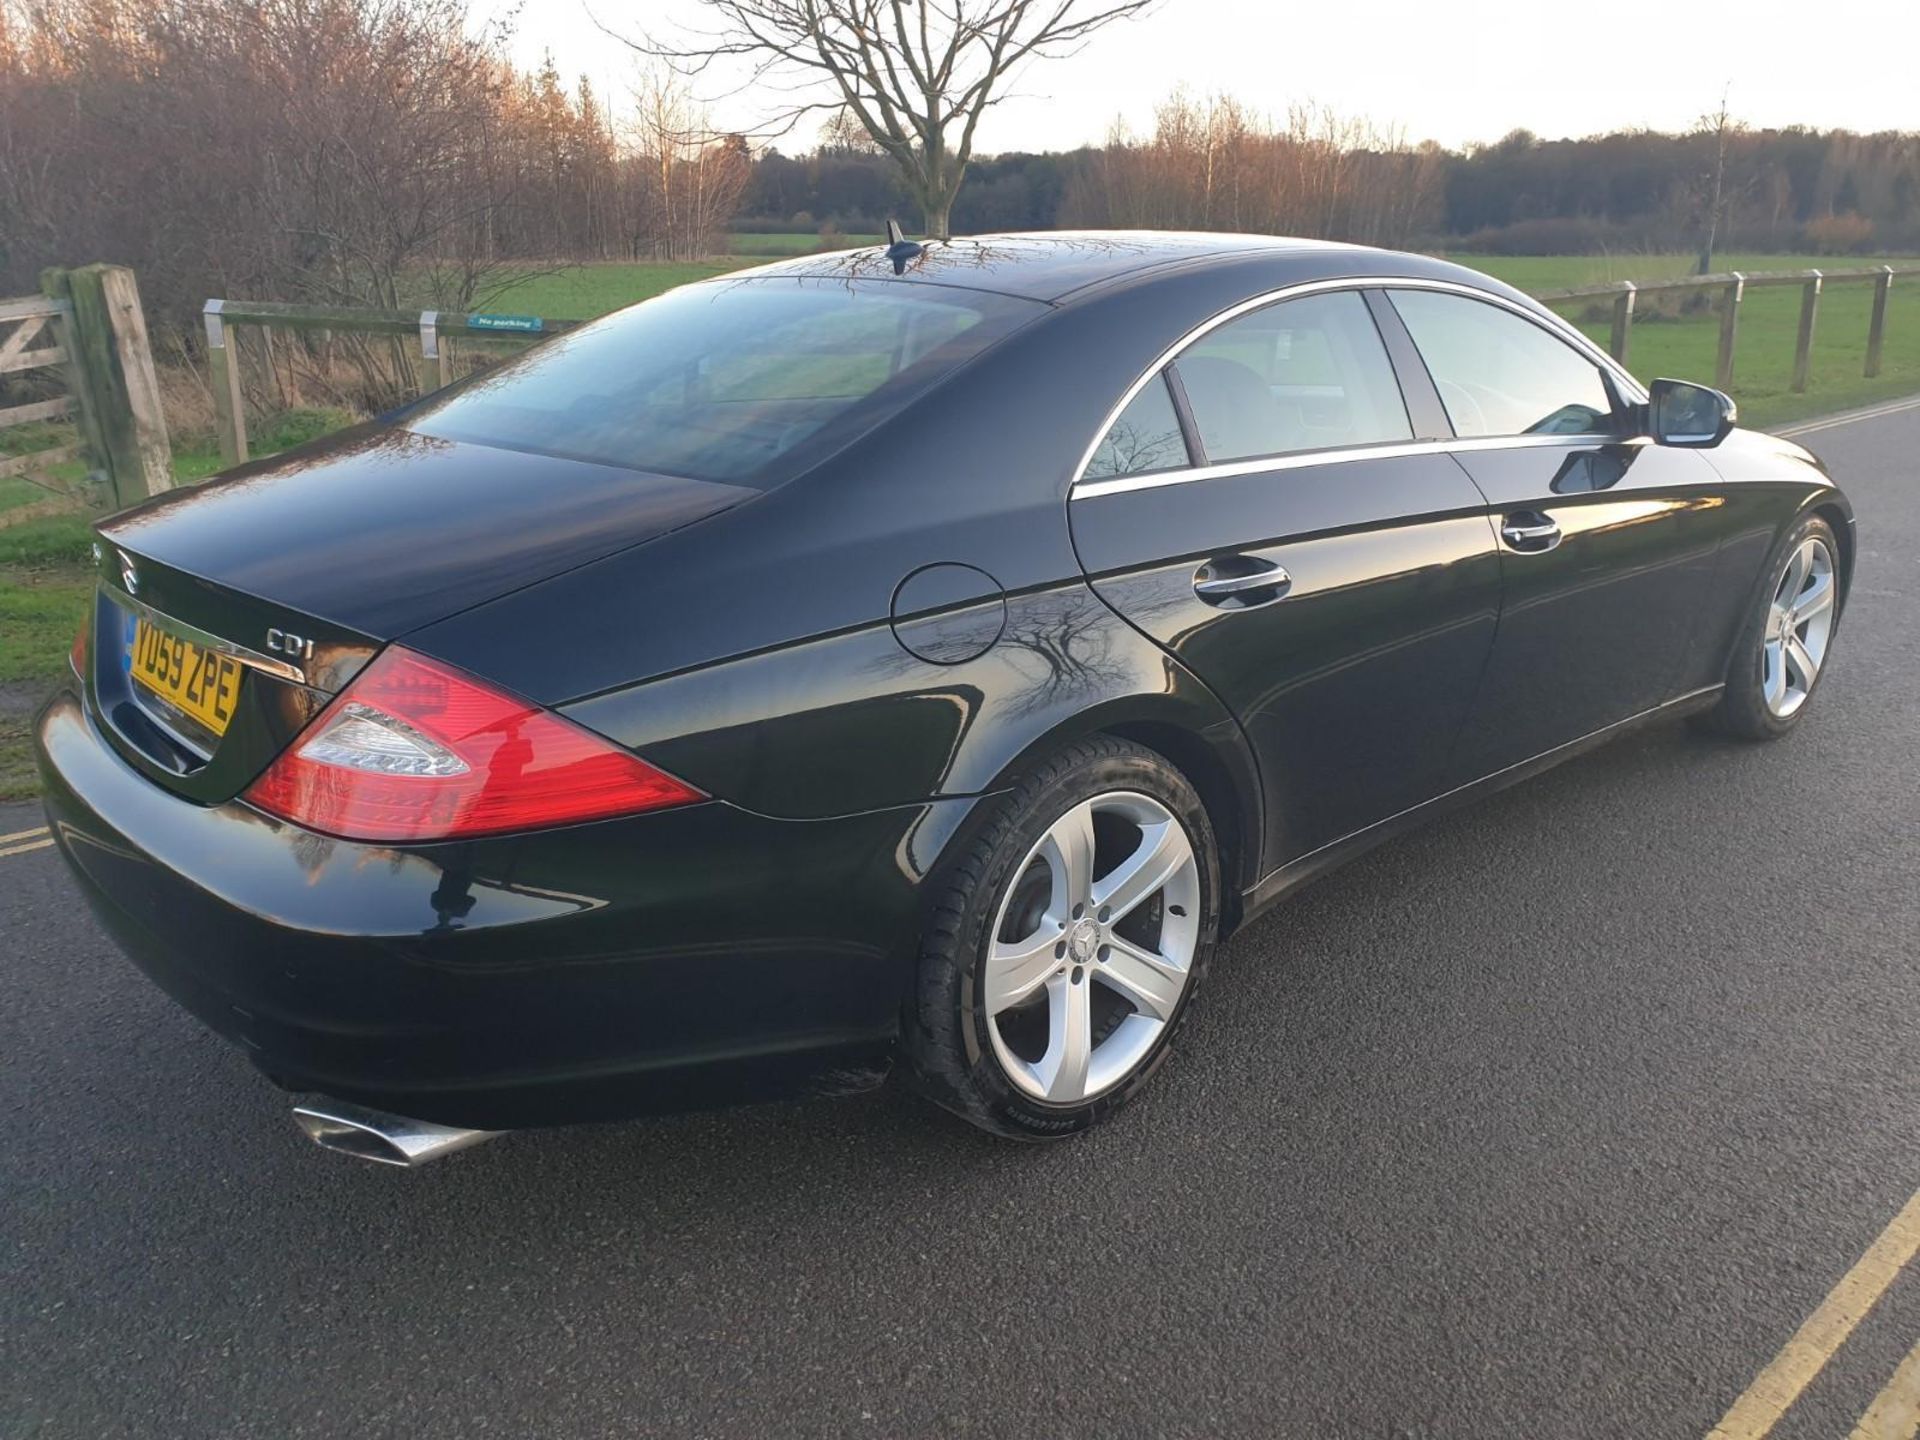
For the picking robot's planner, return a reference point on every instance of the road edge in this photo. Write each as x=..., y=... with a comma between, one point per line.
x=1848, y=417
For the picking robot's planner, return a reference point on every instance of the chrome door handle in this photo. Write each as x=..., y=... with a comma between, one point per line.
x=1531, y=533
x=1221, y=587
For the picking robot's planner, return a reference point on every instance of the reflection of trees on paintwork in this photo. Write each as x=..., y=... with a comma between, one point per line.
x=1059, y=648
x=942, y=258
x=1131, y=449
x=1063, y=651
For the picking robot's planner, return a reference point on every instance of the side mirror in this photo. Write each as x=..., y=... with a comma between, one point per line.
x=1681, y=413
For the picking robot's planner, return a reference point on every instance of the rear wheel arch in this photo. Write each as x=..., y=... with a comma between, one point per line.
x=1195, y=734
x=1231, y=806
x=953, y=1051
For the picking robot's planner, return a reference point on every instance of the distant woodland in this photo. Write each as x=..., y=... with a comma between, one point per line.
x=365, y=151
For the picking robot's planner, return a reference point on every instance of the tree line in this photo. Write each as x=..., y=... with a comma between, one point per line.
x=372, y=152
x=1217, y=164
x=387, y=152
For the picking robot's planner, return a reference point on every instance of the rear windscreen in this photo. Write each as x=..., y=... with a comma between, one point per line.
x=745, y=381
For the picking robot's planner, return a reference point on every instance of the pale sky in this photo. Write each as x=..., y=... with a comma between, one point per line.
x=1467, y=71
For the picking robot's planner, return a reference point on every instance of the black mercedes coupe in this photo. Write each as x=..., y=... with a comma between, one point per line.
x=916, y=659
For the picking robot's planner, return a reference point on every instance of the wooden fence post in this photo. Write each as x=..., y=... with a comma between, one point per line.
x=1729, y=330
x=436, y=363
x=1877, y=325
x=1803, y=344
x=86, y=417
x=113, y=380
x=223, y=374
x=1622, y=338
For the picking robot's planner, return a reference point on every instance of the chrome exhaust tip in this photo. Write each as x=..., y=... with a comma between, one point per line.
x=377, y=1136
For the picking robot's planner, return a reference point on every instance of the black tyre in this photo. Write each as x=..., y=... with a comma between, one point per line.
x=1783, y=649
x=1066, y=943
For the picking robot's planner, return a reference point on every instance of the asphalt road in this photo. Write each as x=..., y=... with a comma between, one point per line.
x=1554, y=1119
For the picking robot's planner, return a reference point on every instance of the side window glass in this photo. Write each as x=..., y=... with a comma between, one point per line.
x=1145, y=436
x=1306, y=374
x=1499, y=374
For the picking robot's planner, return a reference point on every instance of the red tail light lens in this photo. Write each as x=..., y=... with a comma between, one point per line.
x=414, y=750
x=77, y=655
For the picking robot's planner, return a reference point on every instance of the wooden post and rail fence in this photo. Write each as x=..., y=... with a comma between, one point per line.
x=1732, y=288
x=86, y=331
x=434, y=364
x=435, y=370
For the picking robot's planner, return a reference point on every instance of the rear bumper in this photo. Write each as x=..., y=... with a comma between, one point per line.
x=689, y=958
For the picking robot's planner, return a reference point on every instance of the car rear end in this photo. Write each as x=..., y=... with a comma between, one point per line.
x=400, y=882
x=552, y=932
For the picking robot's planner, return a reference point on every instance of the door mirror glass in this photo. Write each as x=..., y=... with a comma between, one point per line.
x=1681, y=413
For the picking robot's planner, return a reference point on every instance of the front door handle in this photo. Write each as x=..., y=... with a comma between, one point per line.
x=1530, y=532
x=1240, y=582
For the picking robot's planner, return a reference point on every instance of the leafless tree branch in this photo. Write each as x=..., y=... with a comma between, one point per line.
x=915, y=74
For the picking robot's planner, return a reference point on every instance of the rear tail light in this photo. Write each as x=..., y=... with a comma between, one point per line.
x=414, y=750
x=77, y=655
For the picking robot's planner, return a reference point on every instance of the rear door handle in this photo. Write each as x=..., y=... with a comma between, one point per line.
x=1247, y=584
x=1530, y=532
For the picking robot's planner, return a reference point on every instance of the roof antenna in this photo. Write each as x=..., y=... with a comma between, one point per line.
x=900, y=249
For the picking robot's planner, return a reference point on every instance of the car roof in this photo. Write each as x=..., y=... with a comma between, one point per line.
x=1054, y=265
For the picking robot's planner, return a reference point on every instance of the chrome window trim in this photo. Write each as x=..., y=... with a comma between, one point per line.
x=1082, y=488
x=1301, y=459
x=253, y=659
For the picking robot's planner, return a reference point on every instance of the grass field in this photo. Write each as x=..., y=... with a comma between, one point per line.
x=1686, y=347
x=798, y=243
x=582, y=292
x=25, y=439
x=44, y=584
x=1662, y=344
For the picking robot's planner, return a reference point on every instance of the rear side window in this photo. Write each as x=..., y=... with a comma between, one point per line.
x=745, y=382
x=1144, y=437
x=1499, y=374
x=1306, y=374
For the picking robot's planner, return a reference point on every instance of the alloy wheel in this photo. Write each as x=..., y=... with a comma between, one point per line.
x=1092, y=948
x=1799, y=627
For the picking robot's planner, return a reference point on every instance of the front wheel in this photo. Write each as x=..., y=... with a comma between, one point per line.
x=1067, y=944
x=1784, y=647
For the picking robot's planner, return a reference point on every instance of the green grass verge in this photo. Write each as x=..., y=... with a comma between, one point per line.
x=197, y=457
x=24, y=440
x=1680, y=346
x=584, y=292
x=46, y=579
x=797, y=243
x=1560, y=272
x=1687, y=346
x=45, y=582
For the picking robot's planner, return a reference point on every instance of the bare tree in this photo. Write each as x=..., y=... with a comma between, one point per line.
x=916, y=74
x=684, y=183
x=1718, y=129
x=1216, y=165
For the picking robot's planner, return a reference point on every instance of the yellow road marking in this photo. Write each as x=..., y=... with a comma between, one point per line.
x=23, y=849
x=1813, y=1344
x=1895, y=1411
x=23, y=835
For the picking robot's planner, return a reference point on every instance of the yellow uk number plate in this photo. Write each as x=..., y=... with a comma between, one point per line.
x=202, y=682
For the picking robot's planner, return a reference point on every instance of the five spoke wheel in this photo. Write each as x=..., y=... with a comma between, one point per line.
x=1799, y=625
x=1092, y=947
